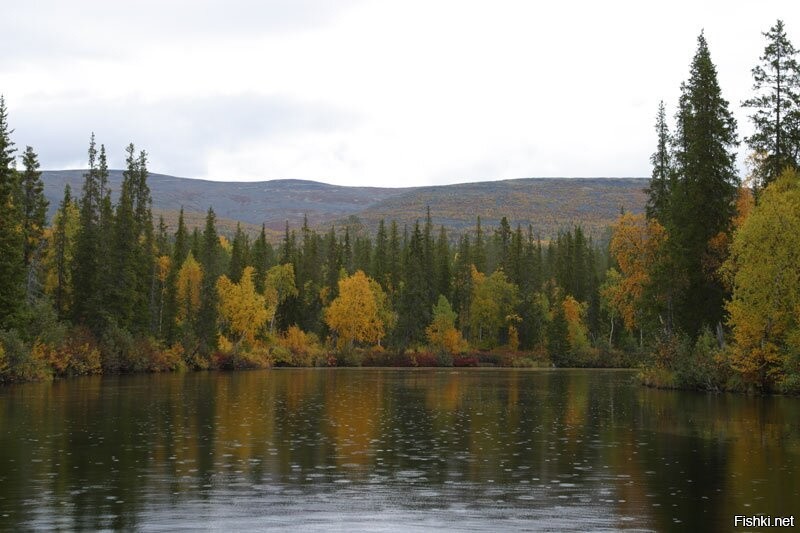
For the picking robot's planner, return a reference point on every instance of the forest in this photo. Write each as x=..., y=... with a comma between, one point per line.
x=702, y=291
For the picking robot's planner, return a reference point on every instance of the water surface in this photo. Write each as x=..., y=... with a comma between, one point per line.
x=412, y=450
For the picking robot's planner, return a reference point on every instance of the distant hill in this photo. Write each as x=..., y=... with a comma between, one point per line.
x=271, y=202
x=549, y=204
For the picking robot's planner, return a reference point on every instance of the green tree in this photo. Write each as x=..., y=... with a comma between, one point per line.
x=443, y=282
x=776, y=107
x=661, y=180
x=211, y=267
x=11, y=237
x=86, y=280
x=60, y=251
x=703, y=203
x=34, y=206
x=414, y=307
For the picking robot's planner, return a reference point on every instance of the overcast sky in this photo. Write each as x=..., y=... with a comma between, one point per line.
x=367, y=92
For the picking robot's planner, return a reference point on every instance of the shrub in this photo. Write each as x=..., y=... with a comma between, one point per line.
x=21, y=363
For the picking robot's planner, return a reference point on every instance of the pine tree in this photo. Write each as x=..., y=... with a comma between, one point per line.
x=239, y=255
x=34, y=208
x=210, y=265
x=776, y=106
x=262, y=258
x=61, y=245
x=479, y=249
x=414, y=305
x=87, y=293
x=660, y=189
x=703, y=201
x=12, y=270
x=443, y=281
x=380, y=259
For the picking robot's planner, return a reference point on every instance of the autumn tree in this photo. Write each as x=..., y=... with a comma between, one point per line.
x=636, y=246
x=279, y=285
x=354, y=315
x=442, y=333
x=764, y=310
x=242, y=310
x=776, y=107
x=492, y=308
x=189, y=285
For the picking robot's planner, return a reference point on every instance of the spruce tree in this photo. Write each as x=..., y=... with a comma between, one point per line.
x=658, y=193
x=34, y=205
x=702, y=204
x=479, y=249
x=87, y=294
x=60, y=244
x=414, y=305
x=12, y=270
x=443, y=280
x=239, y=258
x=380, y=259
x=776, y=106
x=210, y=263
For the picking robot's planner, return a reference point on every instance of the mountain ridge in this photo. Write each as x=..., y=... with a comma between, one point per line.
x=547, y=203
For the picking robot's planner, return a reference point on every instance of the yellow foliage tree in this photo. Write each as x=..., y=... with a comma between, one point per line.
x=442, y=332
x=577, y=332
x=355, y=315
x=494, y=299
x=635, y=245
x=764, y=272
x=189, y=285
x=241, y=309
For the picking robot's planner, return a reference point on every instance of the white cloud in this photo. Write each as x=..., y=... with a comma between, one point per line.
x=381, y=93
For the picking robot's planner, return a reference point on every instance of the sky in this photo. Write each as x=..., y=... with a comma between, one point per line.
x=383, y=93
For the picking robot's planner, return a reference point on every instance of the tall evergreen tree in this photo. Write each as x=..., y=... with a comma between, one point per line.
x=86, y=274
x=702, y=204
x=12, y=270
x=479, y=249
x=210, y=264
x=61, y=244
x=414, y=305
x=380, y=259
x=661, y=180
x=239, y=255
x=34, y=204
x=776, y=106
x=443, y=281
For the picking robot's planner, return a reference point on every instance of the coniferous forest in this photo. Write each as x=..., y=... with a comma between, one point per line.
x=703, y=291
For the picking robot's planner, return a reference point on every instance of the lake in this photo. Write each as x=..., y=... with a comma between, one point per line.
x=386, y=449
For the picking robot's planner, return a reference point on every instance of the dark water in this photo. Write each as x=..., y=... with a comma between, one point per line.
x=409, y=450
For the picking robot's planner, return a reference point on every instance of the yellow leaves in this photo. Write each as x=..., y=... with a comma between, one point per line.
x=494, y=299
x=635, y=244
x=763, y=271
x=190, y=276
x=241, y=308
x=355, y=315
x=163, y=264
x=577, y=333
x=442, y=333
